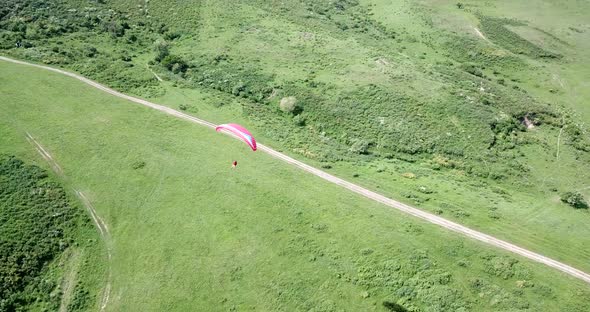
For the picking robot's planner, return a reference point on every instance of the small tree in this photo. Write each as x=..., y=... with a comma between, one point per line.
x=90, y=51
x=360, y=147
x=394, y=306
x=299, y=120
x=161, y=49
x=238, y=88
x=459, y=5
x=174, y=63
x=574, y=199
x=289, y=104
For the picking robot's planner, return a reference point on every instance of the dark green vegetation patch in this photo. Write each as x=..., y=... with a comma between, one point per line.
x=574, y=199
x=496, y=30
x=37, y=223
x=42, y=27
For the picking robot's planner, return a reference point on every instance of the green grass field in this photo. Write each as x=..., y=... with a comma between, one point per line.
x=188, y=232
x=422, y=101
x=522, y=206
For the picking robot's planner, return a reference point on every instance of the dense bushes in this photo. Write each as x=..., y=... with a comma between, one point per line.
x=496, y=30
x=415, y=282
x=574, y=199
x=472, y=69
x=174, y=64
x=223, y=74
x=118, y=74
x=162, y=50
x=471, y=51
x=371, y=120
x=61, y=33
x=349, y=16
x=393, y=306
x=36, y=224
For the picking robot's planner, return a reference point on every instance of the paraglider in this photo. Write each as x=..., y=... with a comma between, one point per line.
x=240, y=132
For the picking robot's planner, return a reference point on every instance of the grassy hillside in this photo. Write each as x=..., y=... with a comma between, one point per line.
x=190, y=232
x=473, y=110
x=425, y=101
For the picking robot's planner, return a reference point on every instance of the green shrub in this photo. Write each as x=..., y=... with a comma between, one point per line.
x=288, y=104
x=81, y=300
x=138, y=164
x=174, y=63
x=90, y=51
x=360, y=147
x=472, y=69
x=162, y=50
x=116, y=28
x=394, y=306
x=574, y=199
x=500, y=266
x=299, y=120
x=171, y=35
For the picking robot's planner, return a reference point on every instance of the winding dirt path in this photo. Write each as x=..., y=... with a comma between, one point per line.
x=455, y=227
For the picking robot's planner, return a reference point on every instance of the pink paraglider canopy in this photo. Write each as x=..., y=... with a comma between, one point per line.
x=239, y=131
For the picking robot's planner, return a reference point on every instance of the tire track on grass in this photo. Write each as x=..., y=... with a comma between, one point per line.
x=98, y=221
x=106, y=236
x=429, y=217
x=45, y=154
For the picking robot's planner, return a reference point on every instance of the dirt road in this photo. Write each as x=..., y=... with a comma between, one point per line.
x=350, y=186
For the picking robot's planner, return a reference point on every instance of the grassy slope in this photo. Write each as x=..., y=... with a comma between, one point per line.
x=569, y=24
x=521, y=210
x=189, y=232
x=284, y=39
x=549, y=25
